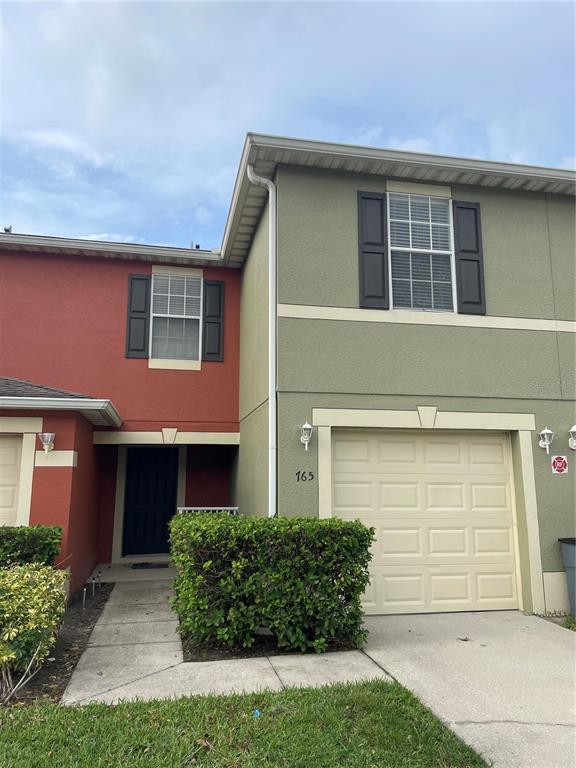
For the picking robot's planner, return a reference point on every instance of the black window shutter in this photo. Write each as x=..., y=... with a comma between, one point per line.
x=469, y=260
x=213, y=330
x=373, y=250
x=138, y=316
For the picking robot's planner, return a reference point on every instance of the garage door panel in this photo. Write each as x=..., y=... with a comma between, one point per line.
x=442, y=509
x=407, y=589
x=490, y=496
x=440, y=453
x=10, y=451
x=353, y=495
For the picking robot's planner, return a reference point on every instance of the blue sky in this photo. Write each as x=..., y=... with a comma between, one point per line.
x=126, y=120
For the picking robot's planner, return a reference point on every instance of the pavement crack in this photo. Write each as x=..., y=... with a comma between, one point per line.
x=390, y=675
x=276, y=672
x=124, y=684
x=510, y=722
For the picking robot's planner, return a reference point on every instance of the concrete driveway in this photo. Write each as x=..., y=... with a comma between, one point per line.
x=504, y=682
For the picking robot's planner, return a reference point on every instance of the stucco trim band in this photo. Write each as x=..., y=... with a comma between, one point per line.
x=421, y=419
x=20, y=424
x=174, y=365
x=160, y=269
x=56, y=459
x=413, y=188
x=408, y=317
x=157, y=438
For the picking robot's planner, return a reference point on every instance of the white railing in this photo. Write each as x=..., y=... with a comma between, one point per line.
x=230, y=510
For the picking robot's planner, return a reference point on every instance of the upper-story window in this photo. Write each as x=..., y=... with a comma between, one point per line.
x=421, y=252
x=175, y=318
x=176, y=331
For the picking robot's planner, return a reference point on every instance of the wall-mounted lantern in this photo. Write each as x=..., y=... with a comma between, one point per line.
x=546, y=437
x=306, y=435
x=47, y=440
x=572, y=438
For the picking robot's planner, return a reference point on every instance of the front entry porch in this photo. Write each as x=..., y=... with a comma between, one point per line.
x=150, y=483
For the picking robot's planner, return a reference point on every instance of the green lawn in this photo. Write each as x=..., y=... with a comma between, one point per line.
x=366, y=725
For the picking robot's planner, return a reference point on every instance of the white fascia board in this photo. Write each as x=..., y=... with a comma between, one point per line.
x=442, y=162
x=105, y=407
x=157, y=253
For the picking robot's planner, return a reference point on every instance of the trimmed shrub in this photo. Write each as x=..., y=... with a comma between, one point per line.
x=33, y=544
x=32, y=603
x=300, y=578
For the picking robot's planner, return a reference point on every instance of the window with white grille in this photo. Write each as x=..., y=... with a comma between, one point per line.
x=421, y=252
x=176, y=317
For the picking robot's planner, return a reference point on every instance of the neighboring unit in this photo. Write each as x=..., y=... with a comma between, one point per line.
x=149, y=336
x=421, y=312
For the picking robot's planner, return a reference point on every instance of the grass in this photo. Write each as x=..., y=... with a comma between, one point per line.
x=570, y=623
x=365, y=725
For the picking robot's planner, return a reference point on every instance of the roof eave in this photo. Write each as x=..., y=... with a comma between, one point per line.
x=271, y=151
x=106, y=249
x=98, y=412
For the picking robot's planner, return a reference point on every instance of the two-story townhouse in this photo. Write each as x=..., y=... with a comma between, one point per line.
x=424, y=311
x=124, y=358
x=416, y=311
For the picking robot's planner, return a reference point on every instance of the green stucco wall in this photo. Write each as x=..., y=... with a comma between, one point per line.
x=251, y=477
x=529, y=273
x=318, y=237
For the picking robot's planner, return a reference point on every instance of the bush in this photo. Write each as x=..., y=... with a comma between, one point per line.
x=300, y=578
x=32, y=602
x=34, y=544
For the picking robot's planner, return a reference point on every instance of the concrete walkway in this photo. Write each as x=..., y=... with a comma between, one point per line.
x=504, y=682
x=134, y=652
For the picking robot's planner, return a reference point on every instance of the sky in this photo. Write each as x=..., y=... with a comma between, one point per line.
x=126, y=120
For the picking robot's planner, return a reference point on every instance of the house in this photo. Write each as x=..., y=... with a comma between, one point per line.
x=129, y=357
x=398, y=330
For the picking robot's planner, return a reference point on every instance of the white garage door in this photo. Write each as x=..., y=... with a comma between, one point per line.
x=442, y=507
x=10, y=450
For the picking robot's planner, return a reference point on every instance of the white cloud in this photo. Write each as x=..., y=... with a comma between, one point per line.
x=113, y=237
x=61, y=141
x=568, y=162
x=130, y=117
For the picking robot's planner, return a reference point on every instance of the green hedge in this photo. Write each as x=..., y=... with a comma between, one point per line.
x=33, y=544
x=300, y=578
x=32, y=603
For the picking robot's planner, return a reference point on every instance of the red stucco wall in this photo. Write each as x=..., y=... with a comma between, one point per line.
x=69, y=496
x=83, y=530
x=208, y=475
x=63, y=322
x=108, y=460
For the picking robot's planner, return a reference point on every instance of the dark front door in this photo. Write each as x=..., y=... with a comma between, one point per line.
x=150, y=500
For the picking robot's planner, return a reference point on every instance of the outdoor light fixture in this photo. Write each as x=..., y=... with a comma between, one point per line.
x=572, y=438
x=546, y=437
x=47, y=440
x=306, y=435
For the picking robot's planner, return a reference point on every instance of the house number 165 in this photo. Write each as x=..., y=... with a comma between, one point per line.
x=302, y=476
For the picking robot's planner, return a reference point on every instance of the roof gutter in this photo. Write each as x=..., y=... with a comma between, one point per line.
x=272, y=404
x=105, y=408
x=139, y=251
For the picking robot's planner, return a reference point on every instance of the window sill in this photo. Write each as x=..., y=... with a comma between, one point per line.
x=175, y=365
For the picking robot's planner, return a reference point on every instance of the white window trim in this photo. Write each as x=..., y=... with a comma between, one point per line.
x=176, y=364
x=451, y=253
